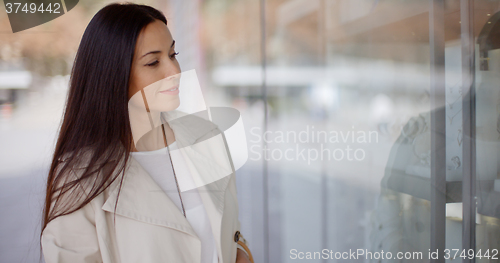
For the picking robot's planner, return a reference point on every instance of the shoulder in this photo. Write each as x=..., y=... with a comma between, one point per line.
x=72, y=237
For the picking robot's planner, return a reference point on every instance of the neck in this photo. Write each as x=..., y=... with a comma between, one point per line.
x=149, y=130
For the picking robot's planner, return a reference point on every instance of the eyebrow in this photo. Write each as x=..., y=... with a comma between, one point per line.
x=157, y=51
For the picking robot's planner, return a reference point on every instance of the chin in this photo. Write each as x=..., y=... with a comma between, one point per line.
x=176, y=106
x=165, y=104
x=176, y=103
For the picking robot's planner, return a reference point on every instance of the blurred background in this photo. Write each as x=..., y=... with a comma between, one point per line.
x=358, y=100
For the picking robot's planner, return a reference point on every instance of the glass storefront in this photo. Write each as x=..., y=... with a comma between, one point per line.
x=381, y=130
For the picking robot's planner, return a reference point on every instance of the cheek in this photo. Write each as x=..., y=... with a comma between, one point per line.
x=145, y=77
x=133, y=89
x=138, y=81
x=134, y=83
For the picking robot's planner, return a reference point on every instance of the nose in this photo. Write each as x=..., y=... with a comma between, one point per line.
x=172, y=69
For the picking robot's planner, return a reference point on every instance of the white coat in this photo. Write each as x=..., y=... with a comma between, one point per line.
x=149, y=227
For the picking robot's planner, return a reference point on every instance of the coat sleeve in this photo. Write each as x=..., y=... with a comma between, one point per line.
x=72, y=238
x=238, y=223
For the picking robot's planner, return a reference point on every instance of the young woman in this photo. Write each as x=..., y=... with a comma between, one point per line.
x=102, y=203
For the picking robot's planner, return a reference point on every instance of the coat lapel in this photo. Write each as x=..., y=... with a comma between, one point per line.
x=142, y=199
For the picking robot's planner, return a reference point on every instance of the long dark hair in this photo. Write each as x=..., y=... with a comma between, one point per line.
x=95, y=136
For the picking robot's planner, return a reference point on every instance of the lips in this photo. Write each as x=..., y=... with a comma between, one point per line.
x=174, y=90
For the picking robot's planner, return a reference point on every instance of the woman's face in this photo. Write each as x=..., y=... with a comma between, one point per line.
x=155, y=65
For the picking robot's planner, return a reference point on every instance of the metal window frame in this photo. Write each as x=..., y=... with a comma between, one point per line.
x=438, y=128
x=469, y=125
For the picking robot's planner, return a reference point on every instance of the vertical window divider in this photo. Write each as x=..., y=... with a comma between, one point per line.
x=438, y=128
x=469, y=125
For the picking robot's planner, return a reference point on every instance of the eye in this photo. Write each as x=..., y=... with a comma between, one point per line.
x=153, y=63
x=174, y=55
